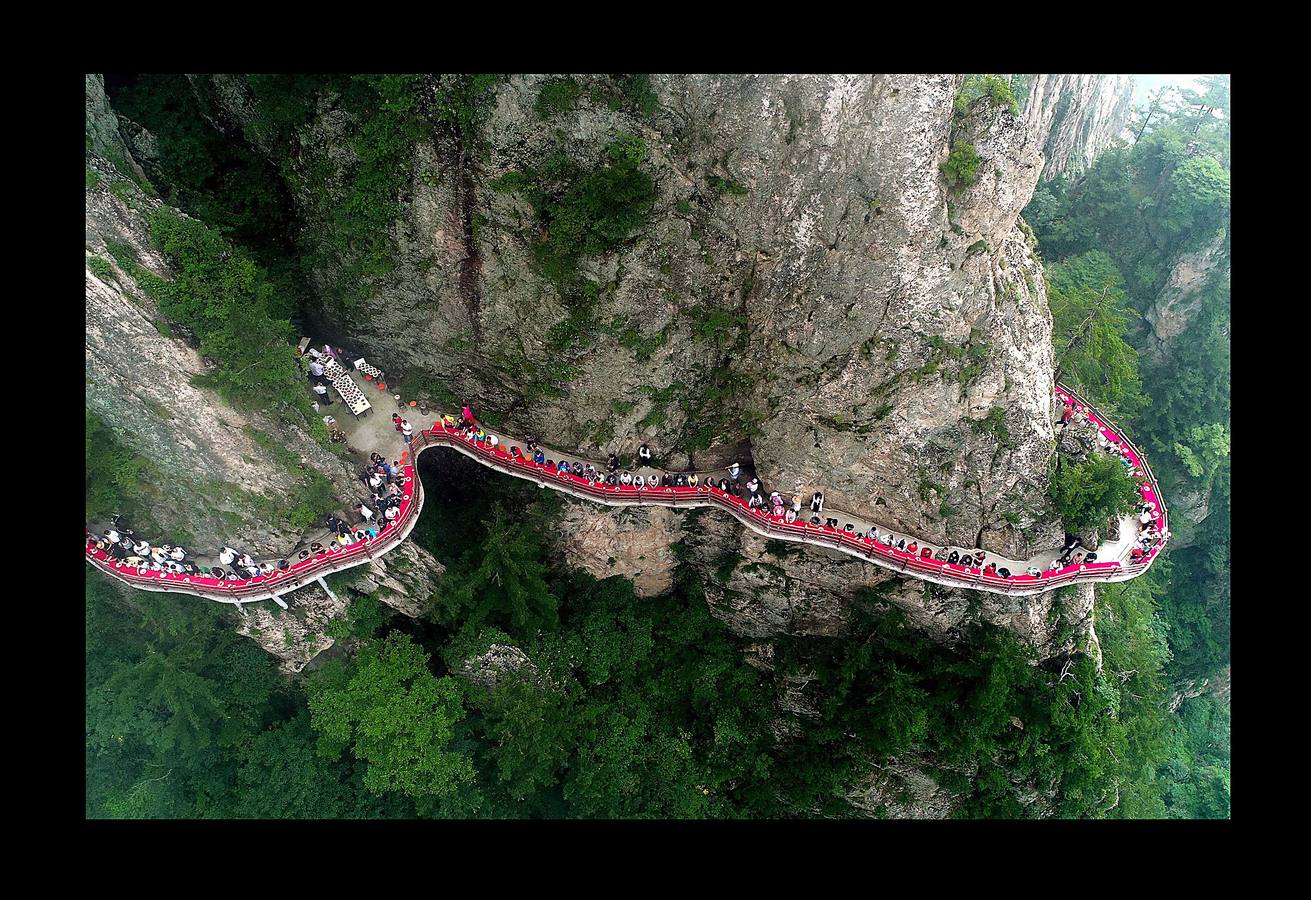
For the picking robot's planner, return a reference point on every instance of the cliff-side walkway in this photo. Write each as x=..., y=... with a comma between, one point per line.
x=1113, y=562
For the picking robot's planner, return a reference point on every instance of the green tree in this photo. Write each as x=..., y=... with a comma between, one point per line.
x=1091, y=492
x=1090, y=319
x=390, y=711
x=503, y=584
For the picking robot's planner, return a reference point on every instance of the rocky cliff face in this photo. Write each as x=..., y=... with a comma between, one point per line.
x=1085, y=115
x=1180, y=299
x=215, y=483
x=808, y=294
x=884, y=337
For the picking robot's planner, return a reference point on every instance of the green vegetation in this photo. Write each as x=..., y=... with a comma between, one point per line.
x=222, y=297
x=1090, y=318
x=585, y=212
x=92, y=179
x=557, y=96
x=118, y=480
x=1089, y=493
x=994, y=87
x=101, y=268
x=961, y=167
x=1126, y=222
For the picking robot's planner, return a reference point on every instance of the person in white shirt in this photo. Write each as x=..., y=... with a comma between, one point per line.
x=391, y=513
x=141, y=549
x=178, y=554
x=407, y=430
x=752, y=485
x=316, y=369
x=644, y=453
x=227, y=555
x=625, y=478
x=734, y=470
x=364, y=511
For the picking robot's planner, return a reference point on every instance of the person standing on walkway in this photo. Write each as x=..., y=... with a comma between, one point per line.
x=644, y=454
x=407, y=432
x=322, y=393
x=316, y=371
x=734, y=471
x=468, y=414
x=365, y=513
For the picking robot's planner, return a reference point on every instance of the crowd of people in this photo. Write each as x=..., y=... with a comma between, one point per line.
x=385, y=480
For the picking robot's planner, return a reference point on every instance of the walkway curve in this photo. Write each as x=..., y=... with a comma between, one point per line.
x=338, y=558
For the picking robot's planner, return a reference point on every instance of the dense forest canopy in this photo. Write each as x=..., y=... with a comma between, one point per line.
x=629, y=707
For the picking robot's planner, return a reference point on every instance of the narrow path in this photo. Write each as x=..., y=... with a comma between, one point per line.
x=1112, y=565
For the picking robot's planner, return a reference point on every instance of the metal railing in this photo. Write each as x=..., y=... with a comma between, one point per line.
x=504, y=460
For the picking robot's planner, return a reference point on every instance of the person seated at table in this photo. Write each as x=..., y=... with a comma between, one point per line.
x=1004, y=572
x=680, y=480
x=538, y=456
x=141, y=548
x=753, y=485
x=789, y=516
x=889, y=539
x=591, y=473
x=953, y=558
x=218, y=572
x=913, y=547
x=638, y=480
x=831, y=523
x=177, y=554
x=926, y=553
x=941, y=555
x=227, y=556
x=814, y=520
x=693, y=480
x=1034, y=571
x=1056, y=566
x=562, y=466
x=626, y=477
x=577, y=469
x=775, y=498
x=137, y=561
x=873, y=533
x=755, y=501
x=611, y=479
x=990, y=569
x=778, y=510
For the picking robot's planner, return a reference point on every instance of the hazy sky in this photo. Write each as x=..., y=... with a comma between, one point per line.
x=1145, y=84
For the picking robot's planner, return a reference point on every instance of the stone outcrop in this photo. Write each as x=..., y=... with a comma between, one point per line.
x=1180, y=299
x=635, y=543
x=295, y=635
x=1082, y=116
x=488, y=668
